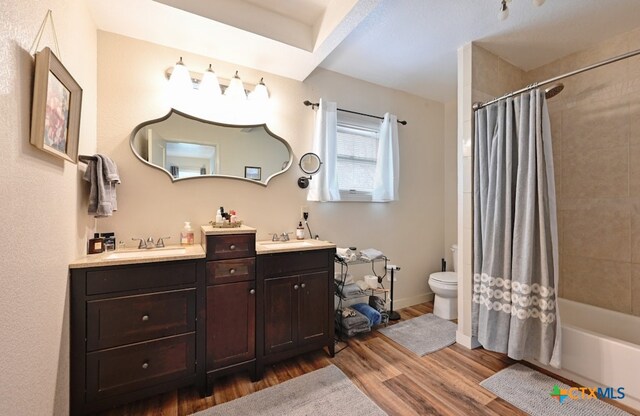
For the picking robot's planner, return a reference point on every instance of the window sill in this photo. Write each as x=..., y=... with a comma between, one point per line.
x=347, y=196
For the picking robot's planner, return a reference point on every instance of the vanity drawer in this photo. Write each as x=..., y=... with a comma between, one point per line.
x=234, y=246
x=148, y=276
x=295, y=262
x=124, y=320
x=230, y=271
x=124, y=369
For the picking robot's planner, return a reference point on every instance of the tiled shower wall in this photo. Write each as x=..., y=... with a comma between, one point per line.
x=595, y=125
x=596, y=143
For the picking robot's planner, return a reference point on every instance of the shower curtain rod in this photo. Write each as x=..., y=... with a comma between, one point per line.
x=477, y=106
x=314, y=105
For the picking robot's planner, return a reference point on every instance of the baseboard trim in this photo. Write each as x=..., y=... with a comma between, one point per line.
x=414, y=300
x=467, y=341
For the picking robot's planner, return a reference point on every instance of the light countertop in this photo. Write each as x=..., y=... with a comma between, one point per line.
x=196, y=251
x=269, y=247
x=243, y=229
x=138, y=256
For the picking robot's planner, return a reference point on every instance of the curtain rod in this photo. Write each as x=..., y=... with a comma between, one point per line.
x=314, y=105
x=477, y=106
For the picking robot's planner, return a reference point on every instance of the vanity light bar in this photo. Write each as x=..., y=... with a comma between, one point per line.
x=196, y=79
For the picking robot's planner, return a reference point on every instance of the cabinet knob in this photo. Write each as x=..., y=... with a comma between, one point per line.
x=145, y=318
x=232, y=247
x=145, y=365
x=302, y=285
x=295, y=287
x=232, y=271
x=252, y=291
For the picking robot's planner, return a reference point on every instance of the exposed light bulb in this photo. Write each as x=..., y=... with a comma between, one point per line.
x=538, y=2
x=235, y=90
x=180, y=86
x=209, y=86
x=260, y=92
x=504, y=11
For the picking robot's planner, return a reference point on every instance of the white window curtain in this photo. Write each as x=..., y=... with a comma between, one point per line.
x=324, y=185
x=387, y=176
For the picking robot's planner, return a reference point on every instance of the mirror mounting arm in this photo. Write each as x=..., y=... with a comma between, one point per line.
x=310, y=163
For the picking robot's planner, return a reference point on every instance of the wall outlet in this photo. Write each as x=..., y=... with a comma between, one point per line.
x=304, y=209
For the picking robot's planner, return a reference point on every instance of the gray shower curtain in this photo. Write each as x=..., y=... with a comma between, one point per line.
x=515, y=246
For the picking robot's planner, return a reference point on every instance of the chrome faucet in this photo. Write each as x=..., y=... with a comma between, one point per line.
x=274, y=237
x=284, y=236
x=148, y=244
x=142, y=244
x=160, y=242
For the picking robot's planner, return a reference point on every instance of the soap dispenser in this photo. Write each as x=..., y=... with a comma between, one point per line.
x=186, y=236
x=219, y=218
x=300, y=231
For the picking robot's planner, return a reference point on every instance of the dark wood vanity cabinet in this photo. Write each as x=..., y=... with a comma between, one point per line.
x=295, y=309
x=142, y=329
x=133, y=332
x=231, y=305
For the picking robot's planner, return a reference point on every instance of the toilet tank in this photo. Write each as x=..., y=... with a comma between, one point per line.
x=454, y=255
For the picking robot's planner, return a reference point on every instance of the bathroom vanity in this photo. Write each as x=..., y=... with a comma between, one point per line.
x=295, y=303
x=147, y=322
x=135, y=326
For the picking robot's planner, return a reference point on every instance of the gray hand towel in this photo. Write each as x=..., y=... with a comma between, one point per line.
x=102, y=174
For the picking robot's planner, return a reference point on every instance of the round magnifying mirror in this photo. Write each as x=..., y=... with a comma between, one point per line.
x=309, y=163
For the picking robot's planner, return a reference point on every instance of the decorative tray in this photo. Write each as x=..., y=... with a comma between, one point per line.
x=225, y=224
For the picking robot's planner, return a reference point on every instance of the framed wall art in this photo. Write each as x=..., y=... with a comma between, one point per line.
x=55, y=115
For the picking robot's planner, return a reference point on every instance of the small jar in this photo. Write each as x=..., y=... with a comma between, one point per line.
x=96, y=244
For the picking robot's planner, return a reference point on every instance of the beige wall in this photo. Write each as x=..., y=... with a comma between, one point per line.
x=409, y=231
x=596, y=135
x=43, y=220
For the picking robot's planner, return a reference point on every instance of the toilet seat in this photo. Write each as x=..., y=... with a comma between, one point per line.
x=445, y=278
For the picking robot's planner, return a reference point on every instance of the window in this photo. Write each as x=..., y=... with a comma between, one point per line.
x=357, y=151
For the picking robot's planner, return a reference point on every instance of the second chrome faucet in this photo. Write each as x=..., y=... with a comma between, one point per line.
x=282, y=237
x=149, y=244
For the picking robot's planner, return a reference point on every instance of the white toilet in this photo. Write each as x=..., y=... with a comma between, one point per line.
x=445, y=287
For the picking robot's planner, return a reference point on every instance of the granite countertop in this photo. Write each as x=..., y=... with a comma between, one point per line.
x=139, y=256
x=269, y=247
x=243, y=229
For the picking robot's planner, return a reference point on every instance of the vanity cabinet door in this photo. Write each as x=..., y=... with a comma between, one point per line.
x=231, y=324
x=280, y=313
x=313, y=324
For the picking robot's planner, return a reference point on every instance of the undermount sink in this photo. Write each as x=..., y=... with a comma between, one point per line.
x=285, y=244
x=157, y=252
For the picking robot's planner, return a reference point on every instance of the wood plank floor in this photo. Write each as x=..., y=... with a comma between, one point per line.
x=401, y=383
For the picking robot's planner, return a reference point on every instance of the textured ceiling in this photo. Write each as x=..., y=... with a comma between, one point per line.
x=409, y=45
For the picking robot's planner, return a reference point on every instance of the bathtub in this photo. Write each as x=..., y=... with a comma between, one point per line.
x=600, y=348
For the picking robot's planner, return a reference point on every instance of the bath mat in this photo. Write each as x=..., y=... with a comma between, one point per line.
x=531, y=391
x=322, y=392
x=424, y=334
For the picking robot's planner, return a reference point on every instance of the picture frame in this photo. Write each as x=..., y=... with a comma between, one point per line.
x=253, y=172
x=55, y=113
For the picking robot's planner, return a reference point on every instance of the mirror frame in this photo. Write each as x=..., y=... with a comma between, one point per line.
x=310, y=154
x=214, y=123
